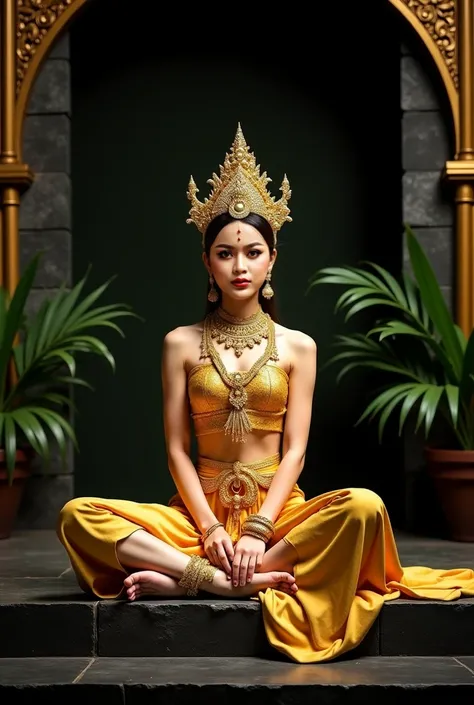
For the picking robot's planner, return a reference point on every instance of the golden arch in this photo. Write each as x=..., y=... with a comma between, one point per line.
x=30, y=27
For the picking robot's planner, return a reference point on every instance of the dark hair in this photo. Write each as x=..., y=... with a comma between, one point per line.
x=265, y=230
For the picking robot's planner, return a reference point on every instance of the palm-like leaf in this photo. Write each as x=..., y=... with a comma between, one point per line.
x=32, y=410
x=436, y=376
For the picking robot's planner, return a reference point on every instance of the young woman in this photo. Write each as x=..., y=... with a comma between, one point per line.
x=239, y=524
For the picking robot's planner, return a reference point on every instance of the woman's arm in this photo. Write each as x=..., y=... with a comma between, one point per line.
x=177, y=429
x=249, y=550
x=297, y=425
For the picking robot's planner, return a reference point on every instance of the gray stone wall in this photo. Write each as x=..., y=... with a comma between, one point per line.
x=45, y=224
x=427, y=143
x=426, y=146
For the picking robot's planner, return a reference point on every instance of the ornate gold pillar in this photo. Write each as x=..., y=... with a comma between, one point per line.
x=13, y=175
x=460, y=171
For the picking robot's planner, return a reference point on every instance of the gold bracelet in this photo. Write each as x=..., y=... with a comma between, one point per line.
x=259, y=527
x=209, y=531
x=262, y=520
x=256, y=535
x=196, y=572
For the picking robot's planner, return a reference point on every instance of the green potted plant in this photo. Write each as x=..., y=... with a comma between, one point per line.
x=429, y=363
x=37, y=369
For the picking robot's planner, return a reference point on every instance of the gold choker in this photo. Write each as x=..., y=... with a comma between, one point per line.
x=238, y=333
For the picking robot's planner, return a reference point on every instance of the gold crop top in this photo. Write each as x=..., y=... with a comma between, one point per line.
x=210, y=406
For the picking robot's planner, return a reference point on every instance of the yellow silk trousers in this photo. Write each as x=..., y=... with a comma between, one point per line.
x=347, y=564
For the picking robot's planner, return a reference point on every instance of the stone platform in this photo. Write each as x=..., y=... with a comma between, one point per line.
x=55, y=641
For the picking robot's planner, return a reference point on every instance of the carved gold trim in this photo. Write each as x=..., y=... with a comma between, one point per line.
x=35, y=20
x=40, y=22
x=439, y=19
x=435, y=22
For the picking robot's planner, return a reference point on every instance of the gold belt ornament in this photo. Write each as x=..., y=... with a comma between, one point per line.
x=238, y=483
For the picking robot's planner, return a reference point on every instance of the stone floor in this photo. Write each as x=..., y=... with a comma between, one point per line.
x=55, y=640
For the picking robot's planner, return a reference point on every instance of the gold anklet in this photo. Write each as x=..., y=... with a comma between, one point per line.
x=196, y=572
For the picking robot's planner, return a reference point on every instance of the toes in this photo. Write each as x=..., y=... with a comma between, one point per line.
x=134, y=592
x=130, y=580
x=285, y=578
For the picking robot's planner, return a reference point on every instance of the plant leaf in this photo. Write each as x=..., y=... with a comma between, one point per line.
x=411, y=398
x=10, y=447
x=392, y=283
x=428, y=407
x=452, y=394
x=14, y=318
x=434, y=301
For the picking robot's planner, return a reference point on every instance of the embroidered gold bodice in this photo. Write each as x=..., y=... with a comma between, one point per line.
x=266, y=404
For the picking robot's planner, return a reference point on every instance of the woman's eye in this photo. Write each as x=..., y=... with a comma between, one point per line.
x=254, y=253
x=223, y=254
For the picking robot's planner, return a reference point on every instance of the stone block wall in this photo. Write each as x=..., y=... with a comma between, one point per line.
x=45, y=222
x=426, y=145
x=428, y=208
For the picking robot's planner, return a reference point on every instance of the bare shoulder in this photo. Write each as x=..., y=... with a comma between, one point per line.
x=298, y=347
x=296, y=340
x=181, y=337
x=182, y=345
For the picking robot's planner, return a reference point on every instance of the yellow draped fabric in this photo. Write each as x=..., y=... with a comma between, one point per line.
x=347, y=566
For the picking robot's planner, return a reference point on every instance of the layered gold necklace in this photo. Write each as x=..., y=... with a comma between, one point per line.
x=260, y=325
x=238, y=333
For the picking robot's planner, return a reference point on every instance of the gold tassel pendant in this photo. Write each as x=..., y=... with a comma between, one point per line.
x=238, y=425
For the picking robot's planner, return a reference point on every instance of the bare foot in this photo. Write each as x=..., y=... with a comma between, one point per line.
x=149, y=582
x=276, y=579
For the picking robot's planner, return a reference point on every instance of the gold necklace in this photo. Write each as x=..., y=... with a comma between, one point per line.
x=238, y=423
x=238, y=333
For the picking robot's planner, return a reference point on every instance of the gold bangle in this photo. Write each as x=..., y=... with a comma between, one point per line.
x=251, y=528
x=262, y=520
x=209, y=531
x=256, y=535
x=259, y=527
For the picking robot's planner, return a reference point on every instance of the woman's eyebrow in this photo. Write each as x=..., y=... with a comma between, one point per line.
x=231, y=247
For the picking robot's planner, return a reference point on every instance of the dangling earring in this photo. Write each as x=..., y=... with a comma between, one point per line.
x=213, y=294
x=267, y=290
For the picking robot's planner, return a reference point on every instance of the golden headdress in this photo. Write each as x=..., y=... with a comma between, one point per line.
x=239, y=190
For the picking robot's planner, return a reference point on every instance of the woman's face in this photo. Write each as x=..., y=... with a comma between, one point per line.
x=239, y=260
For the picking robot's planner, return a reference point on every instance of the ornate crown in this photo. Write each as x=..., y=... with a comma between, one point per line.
x=239, y=190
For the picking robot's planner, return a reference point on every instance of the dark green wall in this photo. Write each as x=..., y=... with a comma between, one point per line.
x=144, y=118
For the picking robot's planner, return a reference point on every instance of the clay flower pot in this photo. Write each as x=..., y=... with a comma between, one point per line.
x=453, y=474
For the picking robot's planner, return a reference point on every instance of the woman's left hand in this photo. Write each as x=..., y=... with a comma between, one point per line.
x=248, y=557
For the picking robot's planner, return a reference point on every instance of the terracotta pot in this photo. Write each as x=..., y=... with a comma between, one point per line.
x=453, y=474
x=11, y=495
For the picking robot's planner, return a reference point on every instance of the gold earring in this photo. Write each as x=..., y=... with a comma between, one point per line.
x=213, y=294
x=267, y=290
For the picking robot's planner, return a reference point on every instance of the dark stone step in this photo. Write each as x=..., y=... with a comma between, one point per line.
x=49, y=617
x=128, y=681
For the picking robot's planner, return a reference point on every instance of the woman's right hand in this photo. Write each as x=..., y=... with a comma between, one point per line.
x=219, y=549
